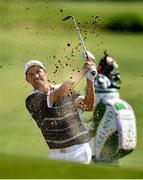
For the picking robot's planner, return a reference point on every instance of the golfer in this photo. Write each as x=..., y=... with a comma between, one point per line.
x=55, y=108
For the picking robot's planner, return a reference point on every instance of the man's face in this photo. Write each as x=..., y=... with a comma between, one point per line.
x=36, y=76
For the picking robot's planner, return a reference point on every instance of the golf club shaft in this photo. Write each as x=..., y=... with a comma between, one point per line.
x=82, y=43
x=80, y=38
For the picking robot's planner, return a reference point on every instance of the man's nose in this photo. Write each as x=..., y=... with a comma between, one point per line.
x=36, y=76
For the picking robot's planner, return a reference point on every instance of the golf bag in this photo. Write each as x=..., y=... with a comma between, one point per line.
x=114, y=126
x=113, y=122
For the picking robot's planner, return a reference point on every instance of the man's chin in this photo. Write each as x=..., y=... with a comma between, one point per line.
x=39, y=85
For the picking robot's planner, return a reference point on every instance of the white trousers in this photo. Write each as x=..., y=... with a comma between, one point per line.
x=79, y=153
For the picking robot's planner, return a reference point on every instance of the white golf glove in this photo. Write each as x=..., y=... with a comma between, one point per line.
x=89, y=55
x=92, y=73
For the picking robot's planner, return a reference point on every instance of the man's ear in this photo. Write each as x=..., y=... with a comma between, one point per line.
x=45, y=71
x=27, y=79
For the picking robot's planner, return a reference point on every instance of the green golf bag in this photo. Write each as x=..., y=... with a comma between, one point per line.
x=114, y=126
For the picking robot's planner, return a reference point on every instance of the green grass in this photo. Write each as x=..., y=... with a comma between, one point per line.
x=42, y=168
x=25, y=36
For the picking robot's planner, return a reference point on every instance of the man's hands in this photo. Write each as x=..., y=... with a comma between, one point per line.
x=89, y=55
x=91, y=74
x=90, y=66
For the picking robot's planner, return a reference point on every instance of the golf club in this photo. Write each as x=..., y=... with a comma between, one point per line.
x=81, y=39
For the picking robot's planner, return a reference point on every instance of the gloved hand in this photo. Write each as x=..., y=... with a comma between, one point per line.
x=89, y=55
x=92, y=73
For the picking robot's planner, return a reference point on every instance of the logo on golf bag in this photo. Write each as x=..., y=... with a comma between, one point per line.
x=114, y=128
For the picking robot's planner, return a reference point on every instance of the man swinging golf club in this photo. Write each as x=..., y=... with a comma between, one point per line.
x=55, y=110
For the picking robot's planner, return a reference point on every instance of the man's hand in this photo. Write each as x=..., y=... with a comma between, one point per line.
x=88, y=64
x=89, y=56
x=90, y=69
x=92, y=73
